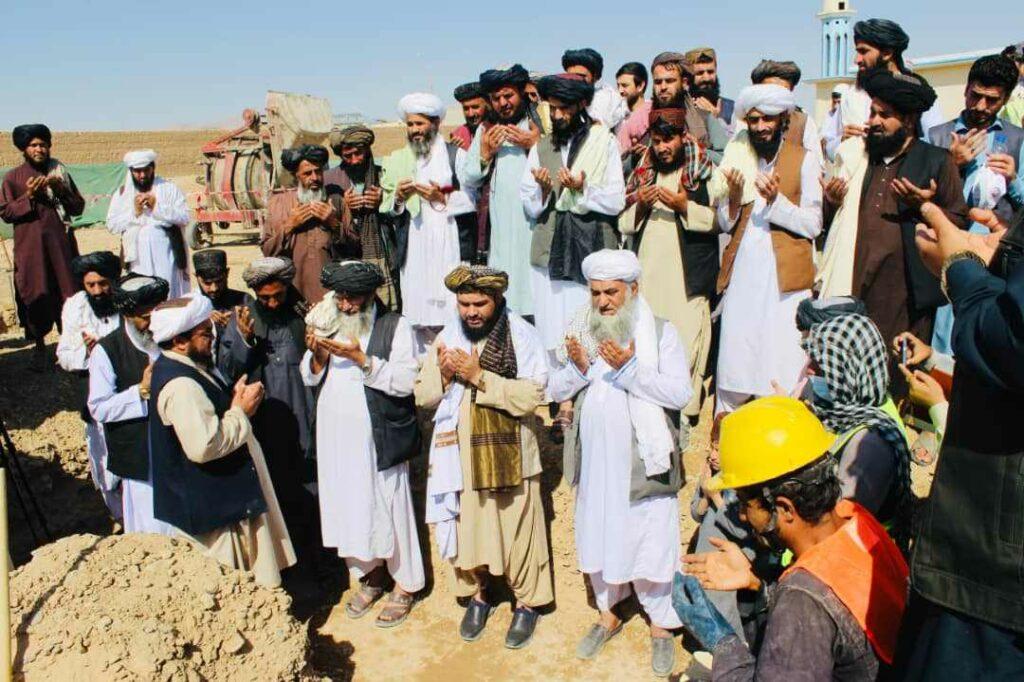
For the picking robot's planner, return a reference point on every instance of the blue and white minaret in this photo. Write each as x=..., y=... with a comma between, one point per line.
x=836, y=38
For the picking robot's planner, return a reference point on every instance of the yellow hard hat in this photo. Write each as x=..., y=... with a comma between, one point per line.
x=767, y=438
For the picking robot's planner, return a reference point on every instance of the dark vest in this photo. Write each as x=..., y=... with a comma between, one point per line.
x=127, y=441
x=697, y=250
x=396, y=433
x=922, y=164
x=466, y=222
x=198, y=498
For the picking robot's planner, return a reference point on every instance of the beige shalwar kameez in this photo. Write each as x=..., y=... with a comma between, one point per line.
x=500, y=530
x=662, y=283
x=259, y=544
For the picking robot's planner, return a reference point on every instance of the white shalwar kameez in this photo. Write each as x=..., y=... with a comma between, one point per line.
x=144, y=241
x=556, y=301
x=365, y=513
x=433, y=249
x=77, y=317
x=106, y=405
x=619, y=542
x=759, y=341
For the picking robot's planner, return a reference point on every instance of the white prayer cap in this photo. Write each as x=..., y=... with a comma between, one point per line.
x=139, y=158
x=178, y=316
x=422, y=103
x=840, y=88
x=769, y=99
x=612, y=264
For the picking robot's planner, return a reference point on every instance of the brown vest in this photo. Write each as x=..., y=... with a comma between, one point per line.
x=795, y=129
x=794, y=255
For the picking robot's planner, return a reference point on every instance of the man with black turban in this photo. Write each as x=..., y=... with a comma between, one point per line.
x=363, y=359
x=493, y=168
x=878, y=43
x=120, y=371
x=39, y=199
x=485, y=375
x=475, y=110
x=310, y=222
x=607, y=106
x=358, y=176
x=211, y=268
x=885, y=178
x=88, y=316
x=264, y=339
x=573, y=188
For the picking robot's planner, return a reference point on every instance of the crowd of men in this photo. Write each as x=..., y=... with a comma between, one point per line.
x=615, y=260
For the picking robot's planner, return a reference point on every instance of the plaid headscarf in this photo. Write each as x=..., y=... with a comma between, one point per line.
x=852, y=357
x=696, y=169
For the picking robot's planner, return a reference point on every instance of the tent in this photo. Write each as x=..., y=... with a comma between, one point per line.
x=96, y=182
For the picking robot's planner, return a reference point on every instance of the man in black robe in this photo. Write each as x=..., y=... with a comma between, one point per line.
x=267, y=340
x=211, y=268
x=39, y=198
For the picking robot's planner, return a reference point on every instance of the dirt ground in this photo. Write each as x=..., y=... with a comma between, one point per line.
x=40, y=411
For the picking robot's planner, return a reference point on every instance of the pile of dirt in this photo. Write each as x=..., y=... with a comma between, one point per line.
x=147, y=607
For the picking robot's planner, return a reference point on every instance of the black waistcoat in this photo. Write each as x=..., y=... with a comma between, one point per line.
x=127, y=441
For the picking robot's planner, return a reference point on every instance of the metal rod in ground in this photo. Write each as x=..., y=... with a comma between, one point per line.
x=12, y=456
x=21, y=502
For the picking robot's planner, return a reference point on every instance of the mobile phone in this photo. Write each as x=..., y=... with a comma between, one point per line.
x=903, y=352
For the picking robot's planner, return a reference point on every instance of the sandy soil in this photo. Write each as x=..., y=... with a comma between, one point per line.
x=40, y=411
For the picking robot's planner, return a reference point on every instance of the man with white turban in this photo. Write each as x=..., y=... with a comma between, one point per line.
x=418, y=191
x=210, y=480
x=769, y=197
x=150, y=214
x=629, y=375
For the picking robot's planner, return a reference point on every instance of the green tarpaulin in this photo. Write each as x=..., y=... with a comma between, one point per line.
x=96, y=182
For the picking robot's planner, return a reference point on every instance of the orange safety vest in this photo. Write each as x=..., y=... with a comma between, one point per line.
x=863, y=567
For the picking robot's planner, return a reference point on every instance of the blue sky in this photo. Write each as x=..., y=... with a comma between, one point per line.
x=146, y=65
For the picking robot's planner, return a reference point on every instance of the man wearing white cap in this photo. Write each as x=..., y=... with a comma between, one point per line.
x=210, y=479
x=418, y=190
x=150, y=214
x=629, y=375
x=769, y=198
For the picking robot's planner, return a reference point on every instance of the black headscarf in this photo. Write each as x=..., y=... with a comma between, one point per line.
x=468, y=91
x=883, y=34
x=589, y=59
x=210, y=263
x=567, y=87
x=352, y=277
x=135, y=292
x=104, y=263
x=515, y=76
x=315, y=154
x=906, y=93
x=22, y=135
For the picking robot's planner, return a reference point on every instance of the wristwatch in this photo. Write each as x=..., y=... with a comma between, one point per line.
x=954, y=258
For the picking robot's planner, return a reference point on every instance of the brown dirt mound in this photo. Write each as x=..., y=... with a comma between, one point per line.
x=147, y=607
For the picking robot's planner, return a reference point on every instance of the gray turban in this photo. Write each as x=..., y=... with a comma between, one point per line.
x=787, y=71
x=135, y=292
x=263, y=270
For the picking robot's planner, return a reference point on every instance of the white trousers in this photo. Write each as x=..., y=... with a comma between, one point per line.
x=729, y=401
x=138, y=509
x=655, y=598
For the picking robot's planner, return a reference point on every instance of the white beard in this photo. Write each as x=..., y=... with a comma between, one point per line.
x=355, y=325
x=618, y=327
x=308, y=196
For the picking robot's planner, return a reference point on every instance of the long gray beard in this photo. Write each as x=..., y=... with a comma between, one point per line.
x=354, y=326
x=421, y=148
x=618, y=327
x=308, y=196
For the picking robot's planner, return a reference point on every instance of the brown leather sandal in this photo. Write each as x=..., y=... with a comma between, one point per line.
x=395, y=610
x=362, y=601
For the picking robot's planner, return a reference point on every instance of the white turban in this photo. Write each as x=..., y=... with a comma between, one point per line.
x=178, y=316
x=140, y=158
x=612, y=264
x=422, y=103
x=840, y=88
x=770, y=100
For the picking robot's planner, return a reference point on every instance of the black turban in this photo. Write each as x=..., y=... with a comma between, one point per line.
x=103, y=262
x=904, y=92
x=351, y=277
x=570, y=88
x=881, y=33
x=210, y=264
x=291, y=158
x=24, y=134
x=135, y=292
x=468, y=91
x=815, y=311
x=587, y=58
x=787, y=71
x=515, y=76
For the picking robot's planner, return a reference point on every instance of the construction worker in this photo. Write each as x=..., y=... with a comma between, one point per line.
x=835, y=612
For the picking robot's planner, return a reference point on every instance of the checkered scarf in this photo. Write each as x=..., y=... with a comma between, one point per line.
x=852, y=356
